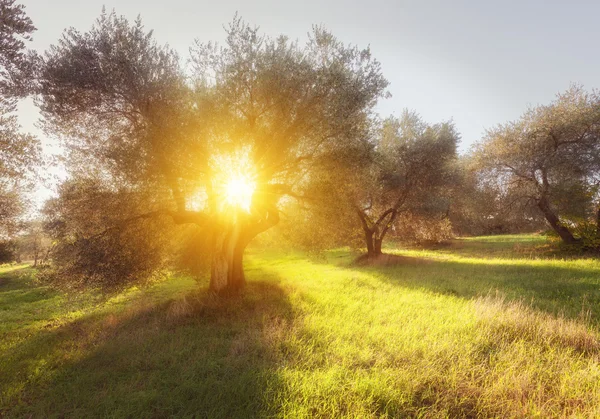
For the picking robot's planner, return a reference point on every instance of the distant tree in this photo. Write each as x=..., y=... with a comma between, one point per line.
x=33, y=243
x=550, y=159
x=394, y=181
x=219, y=149
x=413, y=165
x=480, y=206
x=19, y=153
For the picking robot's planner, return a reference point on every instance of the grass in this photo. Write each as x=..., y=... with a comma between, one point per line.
x=488, y=327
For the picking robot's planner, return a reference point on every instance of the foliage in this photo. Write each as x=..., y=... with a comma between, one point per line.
x=87, y=253
x=480, y=206
x=588, y=237
x=16, y=64
x=33, y=243
x=423, y=228
x=19, y=153
x=8, y=251
x=412, y=169
x=317, y=225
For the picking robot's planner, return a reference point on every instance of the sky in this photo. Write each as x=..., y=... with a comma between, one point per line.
x=479, y=63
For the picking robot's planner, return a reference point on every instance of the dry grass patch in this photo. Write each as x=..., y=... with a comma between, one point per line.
x=513, y=321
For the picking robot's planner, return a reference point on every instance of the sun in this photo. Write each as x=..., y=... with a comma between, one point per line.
x=238, y=192
x=234, y=179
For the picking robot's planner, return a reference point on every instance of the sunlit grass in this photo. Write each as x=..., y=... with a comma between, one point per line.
x=445, y=333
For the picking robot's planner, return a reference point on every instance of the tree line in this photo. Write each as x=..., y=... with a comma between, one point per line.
x=154, y=142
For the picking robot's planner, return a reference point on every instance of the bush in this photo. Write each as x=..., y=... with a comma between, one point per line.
x=8, y=251
x=585, y=231
x=99, y=239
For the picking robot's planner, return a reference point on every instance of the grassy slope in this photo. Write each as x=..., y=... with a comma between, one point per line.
x=485, y=328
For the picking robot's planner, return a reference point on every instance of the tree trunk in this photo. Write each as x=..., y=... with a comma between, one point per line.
x=554, y=222
x=598, y=222
x=373, y=243
x=227, y=267
x=377, y=245
x=369, y=241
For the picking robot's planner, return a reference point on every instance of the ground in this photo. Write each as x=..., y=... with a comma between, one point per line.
x=487, y=327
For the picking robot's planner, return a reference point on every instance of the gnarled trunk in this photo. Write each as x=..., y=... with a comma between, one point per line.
x=554, y=222
x=227, y=266
x=373, y=242
x=227, y=269
x=374, y=233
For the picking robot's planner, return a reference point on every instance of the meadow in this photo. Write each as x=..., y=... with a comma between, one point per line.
x=498, y=326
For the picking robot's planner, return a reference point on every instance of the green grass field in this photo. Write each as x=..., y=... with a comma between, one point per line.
x=488, y=327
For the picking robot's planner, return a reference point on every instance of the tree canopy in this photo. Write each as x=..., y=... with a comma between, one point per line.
x=252, y=117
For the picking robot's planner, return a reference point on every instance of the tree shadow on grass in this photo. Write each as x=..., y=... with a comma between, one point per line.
x=16, y=279
x=199, y=356
x=559, y=290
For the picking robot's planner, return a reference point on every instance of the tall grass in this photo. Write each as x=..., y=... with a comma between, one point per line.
x=485, y=328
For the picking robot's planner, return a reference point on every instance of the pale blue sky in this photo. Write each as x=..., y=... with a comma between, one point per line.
x=477, y=62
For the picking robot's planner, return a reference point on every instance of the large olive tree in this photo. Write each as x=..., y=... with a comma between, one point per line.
x=218, y=146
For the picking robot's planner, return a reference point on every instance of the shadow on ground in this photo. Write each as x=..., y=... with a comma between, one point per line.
x=473, y=268
x=198, y=356
x=569, y=290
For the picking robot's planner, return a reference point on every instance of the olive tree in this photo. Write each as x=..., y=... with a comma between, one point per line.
x=217, y=146
x=33, y=243
x=549, y=159
x=412, y=165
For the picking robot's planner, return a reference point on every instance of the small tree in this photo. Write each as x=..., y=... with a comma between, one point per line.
x=413, y=162
x=33, y=243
